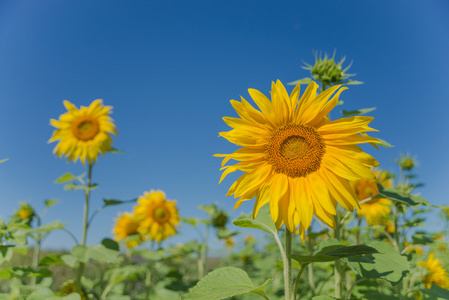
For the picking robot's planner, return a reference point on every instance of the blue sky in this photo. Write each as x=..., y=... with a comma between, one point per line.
x=169, y=69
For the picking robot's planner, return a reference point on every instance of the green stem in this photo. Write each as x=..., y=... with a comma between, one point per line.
x=288, y=266
x=310, y=266
x=85, y=224
x=147, y=284
x=86, y=205
x=337, y=266
x=203, y=254
x=396, y=242
x=359, y=232
x=295, y=288
x=36, y=250
x=348, y=296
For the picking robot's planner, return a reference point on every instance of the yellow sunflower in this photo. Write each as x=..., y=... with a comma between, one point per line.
x=365, y=188
x=294, y=157
x=126, y=226
x=436, y=274
x=83, y=133
x=157, y=215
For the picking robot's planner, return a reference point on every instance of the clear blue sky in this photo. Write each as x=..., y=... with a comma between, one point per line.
x=169, y=69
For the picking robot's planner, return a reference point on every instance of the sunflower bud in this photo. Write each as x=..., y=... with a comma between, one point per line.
x=25, y=213
x=407, y=162
x=329, y=72
x=219, y=219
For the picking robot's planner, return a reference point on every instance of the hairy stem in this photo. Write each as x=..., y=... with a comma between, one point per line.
x=288, y=266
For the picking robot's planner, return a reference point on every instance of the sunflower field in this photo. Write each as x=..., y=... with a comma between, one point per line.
x=327, y=220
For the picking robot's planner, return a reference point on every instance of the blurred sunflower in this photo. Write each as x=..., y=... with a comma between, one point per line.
x=294, y=157
x=83, y=133
x=229, y=242
x=125, y=227
x=436, y=274
x=25, y=213
x=418, y=249
x=157, y=215
x=364, y=188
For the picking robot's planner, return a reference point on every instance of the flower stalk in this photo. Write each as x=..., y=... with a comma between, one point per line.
x=85, y=223
x=288, y=266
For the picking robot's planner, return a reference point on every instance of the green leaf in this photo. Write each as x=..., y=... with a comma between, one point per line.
x=396, y=195
x=305, y=80
x=224, y=283
x=115, y=275
x=323, y=297
x=436, y=292
x=69, y=260
x=52, y=259
x=110, y=244
x=209, y=209
x=224, y=233
x=354, y=82
x=423, y=238
x=109, y=202
x=73, y=186
x=388, y=264
x=384, y=143
x=43, y=293
x=99, y=253
x=191, y=221
x=347, y=113
x=334, y=252
x=56, y=224
x=51, y=202
x=65, y=178
x=113, y=150
x=263, y=221
x=24, y=271
x=6, y=253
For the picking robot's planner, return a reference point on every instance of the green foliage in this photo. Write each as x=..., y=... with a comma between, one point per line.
x=263, y=221
x=396, y=195
x=348, y=113
x=334, y=252
x=388, y=264
x=224, y=283
x=435, y=292
x=111, y=202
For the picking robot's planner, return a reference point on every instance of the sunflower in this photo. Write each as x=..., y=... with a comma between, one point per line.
x=229, y=242
x=83, y=133
x=365, y=188
x=294, y=157
x=157, y=215
x=125, y=227
x=436, y=274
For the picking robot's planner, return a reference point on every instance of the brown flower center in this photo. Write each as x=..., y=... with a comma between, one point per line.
x=85, y=128
x=365, y=189
x=295, y=150
x=161, y=214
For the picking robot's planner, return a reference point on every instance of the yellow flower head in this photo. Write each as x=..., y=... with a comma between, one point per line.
x=418, y=249
x=248, y=239
x=25, y=213
x=364, y=188
x=126, y=226
x=157, y=215
x=294, y=157
x=83, y=133
x=436, y=274
x=229, y=242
